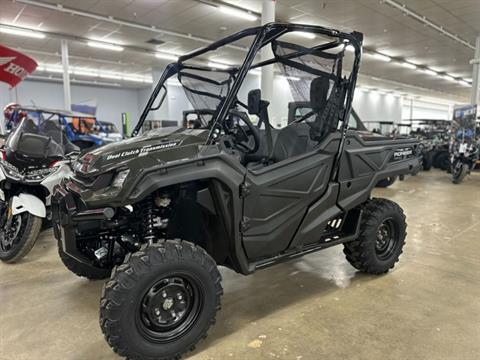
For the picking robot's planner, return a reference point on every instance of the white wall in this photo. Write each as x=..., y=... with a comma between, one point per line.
x=373, y=106
x=110, y=102
x=426, y=110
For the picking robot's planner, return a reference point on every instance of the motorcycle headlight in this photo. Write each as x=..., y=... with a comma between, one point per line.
x=39, y=174
x=11, y=171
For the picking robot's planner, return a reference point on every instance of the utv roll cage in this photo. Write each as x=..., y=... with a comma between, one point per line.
x=264, y=35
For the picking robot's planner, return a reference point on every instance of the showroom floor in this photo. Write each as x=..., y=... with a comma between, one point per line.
x=317, y=307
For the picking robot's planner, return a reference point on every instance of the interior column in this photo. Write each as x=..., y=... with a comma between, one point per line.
x=67, y=97
x=476, y=73
x=268, y=15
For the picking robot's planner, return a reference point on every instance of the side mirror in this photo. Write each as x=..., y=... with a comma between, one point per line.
x=254, y=102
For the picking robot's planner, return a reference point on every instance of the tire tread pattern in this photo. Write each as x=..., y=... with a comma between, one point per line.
x=359, y=252
x=124, y=276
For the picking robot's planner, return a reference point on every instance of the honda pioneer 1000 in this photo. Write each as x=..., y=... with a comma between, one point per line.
x=164, y=208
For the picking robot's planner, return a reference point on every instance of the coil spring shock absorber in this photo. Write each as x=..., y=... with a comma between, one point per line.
x=148, y=220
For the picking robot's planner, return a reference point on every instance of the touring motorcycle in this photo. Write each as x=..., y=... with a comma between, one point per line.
x=36, y=156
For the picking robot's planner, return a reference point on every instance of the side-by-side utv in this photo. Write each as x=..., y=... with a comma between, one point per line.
x=160, y=211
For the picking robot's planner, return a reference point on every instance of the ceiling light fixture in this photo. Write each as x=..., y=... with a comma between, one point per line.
x=85, y=73
x=104, y=45
x=465, y=83
x=110, y=76
x=237, y=13
x=22, y=32
x=409, y=65
x=133, y=78
x=166, y=56
x=448, y=77
x=381, y=57
x=429, y=72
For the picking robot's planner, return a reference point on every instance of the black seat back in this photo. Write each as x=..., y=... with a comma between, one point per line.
x=325, y=102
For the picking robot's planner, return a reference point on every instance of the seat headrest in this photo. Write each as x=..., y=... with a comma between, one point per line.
x=319, y=93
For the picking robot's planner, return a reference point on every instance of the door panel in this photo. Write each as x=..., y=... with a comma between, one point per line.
x=278, y=199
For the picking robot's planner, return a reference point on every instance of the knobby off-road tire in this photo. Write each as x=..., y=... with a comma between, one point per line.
x=427, y=161
x=145, y=295
x=386, y=182
x=80, y=269
x=381, y=240
x=27, y=236
x=443, y=160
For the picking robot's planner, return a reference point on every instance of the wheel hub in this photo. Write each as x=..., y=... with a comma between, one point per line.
x=386, y=239
x=168, y=307
x=7, y=237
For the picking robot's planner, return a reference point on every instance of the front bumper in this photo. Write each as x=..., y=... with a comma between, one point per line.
x=68, y=214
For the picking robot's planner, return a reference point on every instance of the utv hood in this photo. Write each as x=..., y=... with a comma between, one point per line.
x=153, y=147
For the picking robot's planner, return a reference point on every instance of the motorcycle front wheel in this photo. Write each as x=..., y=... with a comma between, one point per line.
x=17, y=241
x=459, y=171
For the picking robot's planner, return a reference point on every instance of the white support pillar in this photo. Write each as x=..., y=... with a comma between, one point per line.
x=268, y=15
x=476, y=73
x=67, y=97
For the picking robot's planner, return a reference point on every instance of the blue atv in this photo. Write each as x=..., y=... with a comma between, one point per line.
x=83, y=130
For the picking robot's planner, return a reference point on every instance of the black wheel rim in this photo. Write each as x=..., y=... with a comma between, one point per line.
x=387, y=238
x=9, y=238
x=169, y=308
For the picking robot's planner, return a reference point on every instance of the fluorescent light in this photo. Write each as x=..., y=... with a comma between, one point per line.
x=409, y=65
x=21, y=32
x=133, y=78
x=54, y=69
x=84, y=73
x=110, y=76
x=429, y=72
x=166, y=56
x=448, y=77
x=382, y=57
x=217, y=65
x=465, y=83
x=103, y=45
x=304, y=34
x=238, y=13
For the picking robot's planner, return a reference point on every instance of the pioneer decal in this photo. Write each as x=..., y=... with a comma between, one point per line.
x=143, y=151
x=403, y=153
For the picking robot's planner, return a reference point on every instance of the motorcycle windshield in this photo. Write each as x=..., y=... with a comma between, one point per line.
x=38, y=139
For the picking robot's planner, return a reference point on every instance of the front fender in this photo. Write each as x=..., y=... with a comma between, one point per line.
x=28, y=203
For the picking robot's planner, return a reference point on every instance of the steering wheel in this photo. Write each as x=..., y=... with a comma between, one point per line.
x=242, y=137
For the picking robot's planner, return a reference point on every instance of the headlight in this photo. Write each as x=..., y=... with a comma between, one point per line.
x=39, y=174
x=11, y=171
x=114, y=187
x=120, y=179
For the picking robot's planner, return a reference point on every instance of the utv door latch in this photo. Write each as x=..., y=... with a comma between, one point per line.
x=244, y=191
x=244, y=224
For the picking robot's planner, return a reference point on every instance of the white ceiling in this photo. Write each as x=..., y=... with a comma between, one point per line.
x=385, y=28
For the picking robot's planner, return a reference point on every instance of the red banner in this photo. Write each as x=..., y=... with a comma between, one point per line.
x=15, y=66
